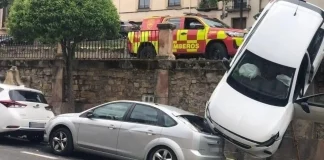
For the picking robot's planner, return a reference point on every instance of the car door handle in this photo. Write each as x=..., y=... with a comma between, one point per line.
x=183, y=33
x=112, y=127
x=150, y=133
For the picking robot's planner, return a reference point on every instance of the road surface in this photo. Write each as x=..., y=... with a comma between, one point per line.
x=18, y=149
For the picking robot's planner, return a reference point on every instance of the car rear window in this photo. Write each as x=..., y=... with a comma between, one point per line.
x=27, y=96
x=198, y=122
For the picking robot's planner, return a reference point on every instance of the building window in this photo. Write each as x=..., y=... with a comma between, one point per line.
x=144, y=4
x=174, y=3
x=236, y=23
x=237, y=4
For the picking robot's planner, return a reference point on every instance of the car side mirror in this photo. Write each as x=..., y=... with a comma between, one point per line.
x=226, y=64
x=89, y=114
x=305, y=107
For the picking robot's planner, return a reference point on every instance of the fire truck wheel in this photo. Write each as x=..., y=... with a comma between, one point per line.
x=216, y=51
x=147, y=52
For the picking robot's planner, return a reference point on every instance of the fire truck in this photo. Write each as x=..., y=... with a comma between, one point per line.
x=194, y=35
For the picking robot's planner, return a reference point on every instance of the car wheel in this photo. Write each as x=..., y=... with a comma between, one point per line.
x=147, y=52
x=162, y=153
x=36, y=138
x=61, y=142
x=216, y=51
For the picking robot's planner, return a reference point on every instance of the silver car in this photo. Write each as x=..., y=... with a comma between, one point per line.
x=134, y=130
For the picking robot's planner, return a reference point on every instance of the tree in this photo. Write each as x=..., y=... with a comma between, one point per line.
x=5, y=3
x=65, y=21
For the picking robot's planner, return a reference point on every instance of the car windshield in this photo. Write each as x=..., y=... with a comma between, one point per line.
x=214, y=22
x=262, y=80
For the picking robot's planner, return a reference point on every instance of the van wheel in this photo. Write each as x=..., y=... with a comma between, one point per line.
x=147, y=52
x=36, y=138
x=162, y=153
x=61, y=142
x=216, y=51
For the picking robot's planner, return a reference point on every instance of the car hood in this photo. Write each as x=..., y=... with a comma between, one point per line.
x=244, y=116
x=69, y=115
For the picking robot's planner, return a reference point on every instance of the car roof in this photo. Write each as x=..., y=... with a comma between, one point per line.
x=282, y=29
x=165, y=108
x=15, y=87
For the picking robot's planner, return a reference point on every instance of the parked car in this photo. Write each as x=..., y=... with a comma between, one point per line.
x=269, y=77
x=6, y=40
x=195, y=35
x=23, y=112
x=134, y=130
x=128, y=26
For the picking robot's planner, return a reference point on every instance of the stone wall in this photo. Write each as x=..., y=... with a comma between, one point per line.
x=35, y=74
x=185, y=84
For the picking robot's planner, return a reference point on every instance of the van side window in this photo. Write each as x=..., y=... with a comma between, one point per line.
x=301, y=78
x=315, y=44
x=175, y=21
x=191, y=23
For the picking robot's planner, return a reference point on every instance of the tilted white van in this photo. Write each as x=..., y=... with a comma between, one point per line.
x=264, y=86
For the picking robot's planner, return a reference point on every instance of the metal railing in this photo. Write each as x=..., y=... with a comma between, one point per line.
x=235, y=5
x=103, y=49
x=94, y=49
x=12, y=49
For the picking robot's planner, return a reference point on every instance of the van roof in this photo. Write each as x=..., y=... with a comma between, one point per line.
x=281, y=28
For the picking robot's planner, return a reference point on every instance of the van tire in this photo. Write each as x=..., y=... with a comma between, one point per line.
x=216, y=51
x=147, y=52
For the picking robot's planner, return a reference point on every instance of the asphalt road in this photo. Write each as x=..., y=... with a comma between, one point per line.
x=19, y=149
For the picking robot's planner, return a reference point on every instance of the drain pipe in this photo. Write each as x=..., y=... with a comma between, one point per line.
x=189, y=6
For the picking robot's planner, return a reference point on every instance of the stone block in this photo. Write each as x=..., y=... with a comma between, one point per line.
x=319, y=131
x=303, y=129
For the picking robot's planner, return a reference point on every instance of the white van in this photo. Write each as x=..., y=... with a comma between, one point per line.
x=263, y=88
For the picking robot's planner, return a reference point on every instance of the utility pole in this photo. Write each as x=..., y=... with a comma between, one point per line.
x=241, y=13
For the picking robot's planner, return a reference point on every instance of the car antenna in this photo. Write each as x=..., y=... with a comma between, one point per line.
x=297, y=7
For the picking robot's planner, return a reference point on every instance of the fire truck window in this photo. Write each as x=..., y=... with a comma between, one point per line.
x=191, y=23
x=175, y=21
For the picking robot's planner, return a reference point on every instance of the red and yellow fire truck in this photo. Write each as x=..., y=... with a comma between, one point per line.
x=195, y=34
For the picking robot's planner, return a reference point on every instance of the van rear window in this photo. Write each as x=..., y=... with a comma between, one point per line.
x=27, y=96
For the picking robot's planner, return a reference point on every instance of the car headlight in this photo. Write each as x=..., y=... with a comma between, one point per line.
x=234, y=34
x=207, y=113
x=270, y=141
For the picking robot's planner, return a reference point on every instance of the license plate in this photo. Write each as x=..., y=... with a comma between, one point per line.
x=36, y=125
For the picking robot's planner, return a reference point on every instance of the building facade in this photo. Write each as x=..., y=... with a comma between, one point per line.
x=226, y=10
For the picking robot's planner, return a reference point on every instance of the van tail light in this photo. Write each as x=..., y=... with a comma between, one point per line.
x=12, y=104
x=49, y=108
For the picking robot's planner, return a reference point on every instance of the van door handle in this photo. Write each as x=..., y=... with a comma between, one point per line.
x=150, y=133
x=183, y=33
